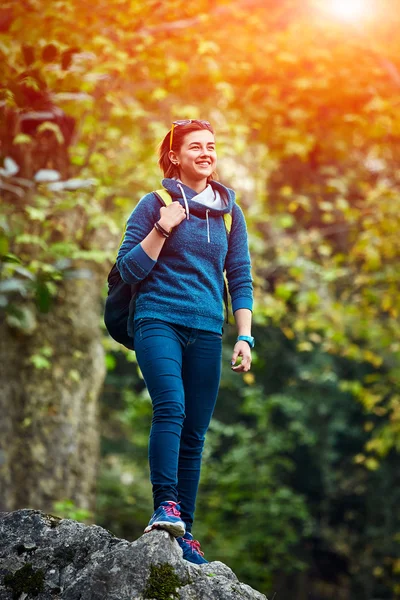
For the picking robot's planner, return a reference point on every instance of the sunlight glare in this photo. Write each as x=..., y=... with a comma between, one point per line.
x=350, y=10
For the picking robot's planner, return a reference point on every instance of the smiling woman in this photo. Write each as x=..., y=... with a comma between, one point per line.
x=178, y=254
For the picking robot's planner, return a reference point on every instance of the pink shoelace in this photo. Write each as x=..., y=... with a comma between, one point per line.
x=171, y=509
x=195, y=546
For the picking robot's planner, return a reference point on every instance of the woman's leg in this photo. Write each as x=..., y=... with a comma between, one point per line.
x=201, y=377
x=158, y=348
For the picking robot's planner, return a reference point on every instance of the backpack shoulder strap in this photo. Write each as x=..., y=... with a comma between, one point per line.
x=228, y=227
x=164, y=196
x=228, y=222
x=123, y=235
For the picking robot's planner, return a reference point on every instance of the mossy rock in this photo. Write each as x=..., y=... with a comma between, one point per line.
x=163, y=583
x=25, y=580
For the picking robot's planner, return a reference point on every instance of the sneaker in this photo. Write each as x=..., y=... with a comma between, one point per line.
x=168, y=517
x=191, y=549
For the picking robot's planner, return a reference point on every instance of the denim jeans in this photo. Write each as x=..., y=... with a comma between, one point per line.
x=182, y=368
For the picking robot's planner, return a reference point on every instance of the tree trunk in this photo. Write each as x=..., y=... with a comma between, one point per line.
x=49, y=434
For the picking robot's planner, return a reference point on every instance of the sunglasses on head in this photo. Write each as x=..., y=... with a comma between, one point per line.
x=185, y=122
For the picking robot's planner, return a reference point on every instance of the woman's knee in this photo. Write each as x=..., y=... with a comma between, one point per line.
x=192, y=441
x=167, y=410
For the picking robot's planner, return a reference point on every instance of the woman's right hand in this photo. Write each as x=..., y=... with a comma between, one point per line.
x=171, y=215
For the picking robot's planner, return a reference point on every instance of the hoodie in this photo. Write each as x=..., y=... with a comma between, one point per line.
x=185, y=284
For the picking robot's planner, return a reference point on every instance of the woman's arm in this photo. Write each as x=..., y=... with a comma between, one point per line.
x=243, y=321
x=238, y=264
x=238, y=272
x=142, y=244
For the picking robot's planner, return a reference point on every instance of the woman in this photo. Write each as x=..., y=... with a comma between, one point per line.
x=178, y=253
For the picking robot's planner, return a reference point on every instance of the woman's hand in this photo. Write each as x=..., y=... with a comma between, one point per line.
x=171, y=215
x=241, y=349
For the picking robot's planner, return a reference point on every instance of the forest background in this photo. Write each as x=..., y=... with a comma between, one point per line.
x=300, y=487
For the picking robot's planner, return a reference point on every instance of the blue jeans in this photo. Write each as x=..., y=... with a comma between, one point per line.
x=182, y=368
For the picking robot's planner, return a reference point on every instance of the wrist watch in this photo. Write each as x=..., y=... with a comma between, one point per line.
x=246, y=338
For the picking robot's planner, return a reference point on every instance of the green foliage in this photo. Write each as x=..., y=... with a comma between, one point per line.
x=67, y=509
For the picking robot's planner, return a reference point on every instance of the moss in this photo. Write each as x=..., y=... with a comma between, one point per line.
x=25, y=580
x=163, y=583
x=52, y=520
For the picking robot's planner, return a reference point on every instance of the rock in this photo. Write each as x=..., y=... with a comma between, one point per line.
x=48, y=558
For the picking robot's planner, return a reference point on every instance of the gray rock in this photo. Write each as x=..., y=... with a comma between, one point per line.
x=48, y=558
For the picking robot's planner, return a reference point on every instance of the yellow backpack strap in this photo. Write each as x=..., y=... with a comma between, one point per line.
x=123, y=235
x=164, y=196
x=228, y=222
x=228, y=227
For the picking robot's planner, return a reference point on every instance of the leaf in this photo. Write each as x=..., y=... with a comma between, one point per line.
x=285, y=221
x=66, y=57
x=54, y=128
x=28, y=53
x=13, y=285
x=39, y=361
x=110, y=361
x=80, y=273
x=74, y=375
x=12, y=188
x=21, y=317
x=24, y=272
x=10, y=167
x=72, y=184
x=26, y=238
x=22, y=138
x=31, y=82
x=36, y=214
x=43, y=297
x=73, y=96
x=49, y=53
x=6, y=19
x=44, y=175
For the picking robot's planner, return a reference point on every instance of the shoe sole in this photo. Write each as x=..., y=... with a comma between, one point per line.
x=175, y=529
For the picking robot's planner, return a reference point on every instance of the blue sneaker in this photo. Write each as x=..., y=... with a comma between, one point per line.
x=191, y=549
x=168, y=517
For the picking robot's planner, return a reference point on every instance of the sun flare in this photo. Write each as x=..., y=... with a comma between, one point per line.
x=349, y=10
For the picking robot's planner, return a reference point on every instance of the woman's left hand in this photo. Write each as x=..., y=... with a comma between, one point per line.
x=241, y=349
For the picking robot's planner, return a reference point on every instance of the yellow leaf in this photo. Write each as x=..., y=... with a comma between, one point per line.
x=305, y=347
x=286, y=191
x=48, y=126
x=249, y=378
x=372, y=464
x=288, y=332
x=359, y=459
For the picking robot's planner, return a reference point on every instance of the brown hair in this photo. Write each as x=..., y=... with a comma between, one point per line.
x=180, y=131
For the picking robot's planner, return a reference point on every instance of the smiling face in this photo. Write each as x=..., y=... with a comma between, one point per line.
x=196, y=158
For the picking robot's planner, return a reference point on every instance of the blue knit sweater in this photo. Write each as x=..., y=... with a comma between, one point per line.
x=185, y=285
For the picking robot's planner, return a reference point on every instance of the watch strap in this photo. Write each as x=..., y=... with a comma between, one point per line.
x=246, y=338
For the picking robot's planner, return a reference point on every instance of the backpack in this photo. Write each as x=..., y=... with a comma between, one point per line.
x=121, y=297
